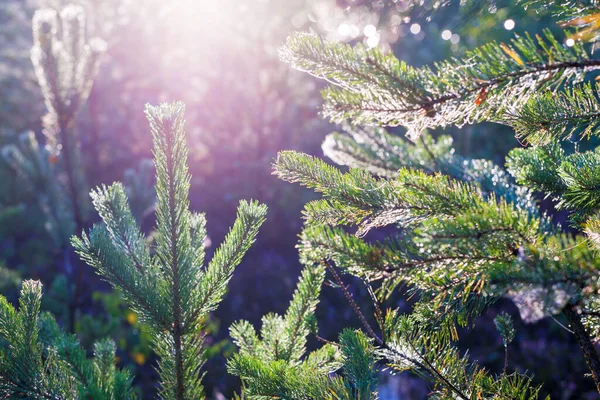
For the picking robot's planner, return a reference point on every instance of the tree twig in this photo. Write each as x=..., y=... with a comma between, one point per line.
x=352, y=303
x=585, y=342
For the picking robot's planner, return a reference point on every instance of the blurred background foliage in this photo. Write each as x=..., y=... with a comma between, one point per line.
x=221, y=58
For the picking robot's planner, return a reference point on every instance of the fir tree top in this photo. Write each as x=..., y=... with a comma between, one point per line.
x=165, y=282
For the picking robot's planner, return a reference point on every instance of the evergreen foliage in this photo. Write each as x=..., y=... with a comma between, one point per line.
x=39, y=361
x=47, y=181
x=166, y=283
x=461, y=233
x=383, y=154
x=572, y=180
x=31, y=164
x=582, y=14
x=485, y=85
x=549, y=115
x=426, y=352
x=65, y=64
x=275, y=366
x=468, y=233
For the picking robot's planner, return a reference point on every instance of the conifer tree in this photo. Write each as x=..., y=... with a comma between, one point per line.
x=51, y=175
x=40, y=361
x=165, y=283
x=162, y=279
x=65, y=64
x=468, y=232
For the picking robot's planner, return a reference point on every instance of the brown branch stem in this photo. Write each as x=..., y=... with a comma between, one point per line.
x=585, y=342
x=351, y=301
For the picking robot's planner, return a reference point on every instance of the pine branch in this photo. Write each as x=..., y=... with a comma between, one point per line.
x=572, y=180
x=460, y=254
x=367, y=261
x=220, y=269
x=384, y=154
x=29, y=162
x=450, y=269
x=139, y=290
x=359, y=358
x=487, y=83
x=551, y=116
x=592, y=230
x=284, y=339
x=537, y=167
x=65, y=65
x=427, y=353
x=173, y=239
x=357, y=198
x=112, y=206
x=352, y=303
x=298, y=315
x=581, y=14
x=312, y=378
x=583, y=338
x=274, y=366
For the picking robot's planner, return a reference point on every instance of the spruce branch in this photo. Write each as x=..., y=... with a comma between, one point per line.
x=572, y=180
x=495, y=79
x=383, y=154
x=551, y=116
x=351, y=301
x=583, y=338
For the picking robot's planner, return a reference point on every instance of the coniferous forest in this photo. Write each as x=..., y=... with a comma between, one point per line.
x=299, y=199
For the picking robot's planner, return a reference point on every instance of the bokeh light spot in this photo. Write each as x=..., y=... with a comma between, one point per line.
x=370, y=30
x=415, y=29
